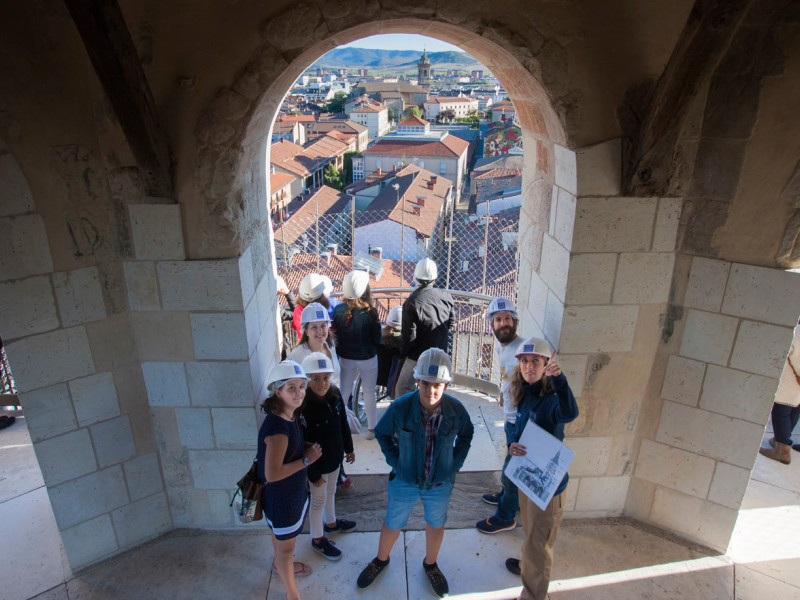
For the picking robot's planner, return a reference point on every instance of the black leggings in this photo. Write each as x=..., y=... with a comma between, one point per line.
x=784, y=420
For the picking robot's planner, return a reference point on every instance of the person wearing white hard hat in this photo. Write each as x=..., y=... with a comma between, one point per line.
x=358, y=331
x=313, y=288
x=389, y=361
x=428, y=317
x=315, y=327
x=325, y=424
x=425, y=437
x=282, y=459
x=540, y=393
x=503, y=320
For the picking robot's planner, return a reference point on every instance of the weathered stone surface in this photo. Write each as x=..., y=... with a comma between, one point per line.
x=729, y=485
x=142, y=285
x=166, y=384
x=591, y=455
x=600, y=169
x=716, y=173
x=66, y=457
x=50, y=358
x=761, y=348
x=643, y=278
x=699, y=520
x=194, y=428
x=220, y=383
x=234, y=428
x=113, y=441
x=683, y=380
x=591, y=278
x=762, y=294
x=553, y=318
x=80, y=296
x=24, y=248
x=95, y=398
x=211, y=469
x=200, y=285
x=555, y=266
x=48, y=412
x=674, y=468
x=142, y=520
x=27, y=307
x=566, y=169
x=90, y=541
x=738, y=394
x=732, y=106
x=667, y=221
x=613, y=224
x=606, y=494
x=598, y=329
x=707, y=283
x=220, y=335
x=708, y=337
x=143, y=476
x=163, y=335
x=15, y=195
x=79, y=500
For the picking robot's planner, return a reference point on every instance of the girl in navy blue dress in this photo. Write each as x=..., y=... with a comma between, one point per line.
x=283, y=458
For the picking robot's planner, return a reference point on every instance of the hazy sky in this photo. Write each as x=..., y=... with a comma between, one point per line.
x=402, y=41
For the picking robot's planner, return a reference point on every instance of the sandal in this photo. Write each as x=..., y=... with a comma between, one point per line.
x=301, y=569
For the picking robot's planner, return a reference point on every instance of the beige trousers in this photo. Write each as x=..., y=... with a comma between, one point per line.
x=541, y=530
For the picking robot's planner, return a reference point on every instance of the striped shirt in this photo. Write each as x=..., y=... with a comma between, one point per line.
x=431, y=424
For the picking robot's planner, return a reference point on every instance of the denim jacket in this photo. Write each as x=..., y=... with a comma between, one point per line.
x=401, y=434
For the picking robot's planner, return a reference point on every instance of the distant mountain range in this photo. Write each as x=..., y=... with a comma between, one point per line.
x=402, y=60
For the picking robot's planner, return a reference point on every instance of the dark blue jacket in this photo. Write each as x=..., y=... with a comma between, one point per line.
x=401, y=434
x=359, y=339
x=550, y=412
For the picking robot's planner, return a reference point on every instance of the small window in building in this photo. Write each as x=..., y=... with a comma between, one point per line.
x=443, y=168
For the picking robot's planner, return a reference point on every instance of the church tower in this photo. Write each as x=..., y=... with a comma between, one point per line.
x=424, y=69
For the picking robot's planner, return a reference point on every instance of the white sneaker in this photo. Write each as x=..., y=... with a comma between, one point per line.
x=370, y=434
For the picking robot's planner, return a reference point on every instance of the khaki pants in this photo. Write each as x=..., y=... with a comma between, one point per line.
x=405, y=380
x=541, y=531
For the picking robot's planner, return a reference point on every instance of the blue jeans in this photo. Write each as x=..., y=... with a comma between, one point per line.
x=508, y=504
x=403, y=496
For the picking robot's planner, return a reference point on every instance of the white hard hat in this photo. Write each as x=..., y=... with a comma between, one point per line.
x=283, y=371
x=312, y=287
x=355, y=284
x=434, y=366
x=328, y=288
x=535, y=346
x=499, y=305
x=426, y=270
x=314, y=312
x=317, y=362
x=395, y=317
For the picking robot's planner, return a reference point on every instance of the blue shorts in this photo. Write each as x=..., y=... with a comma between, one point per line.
x=403, y=496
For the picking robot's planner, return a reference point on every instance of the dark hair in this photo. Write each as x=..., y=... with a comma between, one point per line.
x=516, y=381
x=272, y=404
x=364, y=303
x=323, y=299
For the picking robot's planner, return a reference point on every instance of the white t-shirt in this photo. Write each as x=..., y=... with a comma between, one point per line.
x=507, y=360
x=301, y=351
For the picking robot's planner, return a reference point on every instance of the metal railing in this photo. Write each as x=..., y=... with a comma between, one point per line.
x=7, y=385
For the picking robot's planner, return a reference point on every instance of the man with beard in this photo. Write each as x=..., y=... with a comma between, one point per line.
x=503, y=319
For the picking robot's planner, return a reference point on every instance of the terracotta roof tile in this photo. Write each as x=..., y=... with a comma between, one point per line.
x=304, y=214
x=413, y=120
x=448, y=147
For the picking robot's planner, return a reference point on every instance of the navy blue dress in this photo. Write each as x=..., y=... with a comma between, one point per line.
x=285, y=502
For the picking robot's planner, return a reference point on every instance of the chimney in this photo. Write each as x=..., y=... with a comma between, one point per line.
x=333, y=249
x=377, y=252
x=434, y=178
x=421, y=201
x=394, y=168
x=416, y=209
x=430, y=185
x=379, y=171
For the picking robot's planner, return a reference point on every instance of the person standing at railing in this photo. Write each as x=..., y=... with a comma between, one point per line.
x=358, y=334
x=313, y=288
x=428, y=317
x=503, y=320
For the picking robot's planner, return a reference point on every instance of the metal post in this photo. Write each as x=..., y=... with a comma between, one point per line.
x=450, y=244
x=485, y=246
x=283, y=241
x=352, y=225
x=316, y=227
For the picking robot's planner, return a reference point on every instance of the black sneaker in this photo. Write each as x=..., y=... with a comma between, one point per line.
x=327, y=548
x=370, y=572
x=342, y=525
x=512, y=564
x=437, y=579
x=492, y=498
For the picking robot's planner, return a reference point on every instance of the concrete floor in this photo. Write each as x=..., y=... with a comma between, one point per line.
x=599, y=559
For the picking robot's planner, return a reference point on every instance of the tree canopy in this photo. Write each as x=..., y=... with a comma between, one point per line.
x=336, y=104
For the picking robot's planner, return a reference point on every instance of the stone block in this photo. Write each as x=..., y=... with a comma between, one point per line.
x=89, y=542
x=200, y=285
x=707, y=282
x=49, y=358
x=716, y=436
x=66, y=457
x=555, y=266
x=600, y=169
x=553, y=210
x=80, y=296
x=246, y=276
x=157, y=232
x=95, y=398
x=88, y=497
x=112, y=343
x=266, y=304
x=699, y=520
x=113, y=441
x=24, y=249
x=220, y=335
x=761, y=348
x=591, y=456
x=166, y=384
x=667, y=220
x=683, y=380
x=708, y=337
x=194, y=428
x=142, y=285
x=565, y=218
x=674, y=468
x=235, y=428
x=210, y=508
x=572, y=494
x=598, y=329
x=142, y=520
x=48, y=412
x=143, y=476
x=605, y=494
x=738, y=394
x=211, y=469
x=566, y=169
x=643, y=278
x=553, y=319
x=27, y=307
x=252, y=326
x=613, y=224
x=220, y=383
x=260, y=362
x=574, y=367
x=729, y=485
x=537, y=298
x=591, y=278
x=762, y=294
x=15, y=195
x=163, y=335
